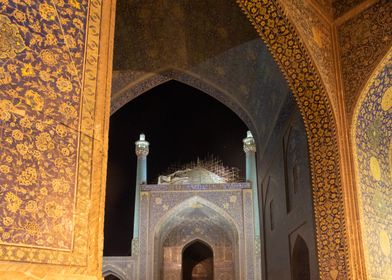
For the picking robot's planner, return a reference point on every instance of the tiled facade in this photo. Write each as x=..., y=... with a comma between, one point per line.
x=173, y=216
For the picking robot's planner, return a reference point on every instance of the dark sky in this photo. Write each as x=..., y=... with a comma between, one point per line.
x=181, y=123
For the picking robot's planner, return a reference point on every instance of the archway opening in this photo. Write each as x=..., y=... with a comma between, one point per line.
x=300, y=260
x=111, y=277
x=197, y=262
x=197, y=220
x=243, y=75
x=182, y=124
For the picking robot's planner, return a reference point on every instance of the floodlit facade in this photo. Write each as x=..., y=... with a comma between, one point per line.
x=203, y=204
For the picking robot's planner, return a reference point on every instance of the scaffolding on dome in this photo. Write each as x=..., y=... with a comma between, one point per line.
x=212, y=164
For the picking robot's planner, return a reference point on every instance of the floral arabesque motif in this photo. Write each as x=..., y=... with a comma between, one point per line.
x=373, y=142
x=363, y=40
x=276, y=30
x=11, y=42
x=40, y=95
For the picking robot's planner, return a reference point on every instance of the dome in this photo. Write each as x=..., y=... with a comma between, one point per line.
x=194, y=176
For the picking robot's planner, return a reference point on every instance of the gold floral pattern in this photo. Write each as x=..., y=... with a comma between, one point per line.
x=11, y=42
x=363, y=40
x=316, y=34
x=372, y=156
x=285, y=46
x=34, y=100
x=342, y=6
x=40, y=95
x=13, y=202
x=5, y=77
x=28, y=177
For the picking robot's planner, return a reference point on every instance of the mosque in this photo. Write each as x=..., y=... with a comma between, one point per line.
x=311, y=82
x=199, y=222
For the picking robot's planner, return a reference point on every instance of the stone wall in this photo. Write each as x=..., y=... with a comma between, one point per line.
x=286, y=195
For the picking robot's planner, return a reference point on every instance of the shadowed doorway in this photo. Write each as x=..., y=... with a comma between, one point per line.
x=197, y=262
x=111, y=277
x=300, y=259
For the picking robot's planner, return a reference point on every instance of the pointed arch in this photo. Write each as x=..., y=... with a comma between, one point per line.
x=194, y=240
x=285, y=45
x=167, y=224
x=135, y=89
x=113, y=270
x=289, y=52
x=276, y=30
x=300, y=265
x=205, y=257
x=189, y=203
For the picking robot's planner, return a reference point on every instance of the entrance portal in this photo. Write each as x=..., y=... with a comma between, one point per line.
x=197, y=262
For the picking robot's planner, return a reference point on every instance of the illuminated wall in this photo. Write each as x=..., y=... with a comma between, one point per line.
x=285, y=195
x=50, y=133
x=363, y=40
x=373, y=134
x=40, y=88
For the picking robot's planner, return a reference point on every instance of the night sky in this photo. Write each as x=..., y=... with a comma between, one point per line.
x=181, y=123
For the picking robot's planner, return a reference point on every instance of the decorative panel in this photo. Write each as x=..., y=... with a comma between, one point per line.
x=363, y=40
x=175, y=215
x=340, y=7
x=325, y=6
x=373, y=143
x=47, y=108
x=316, y=34
x=329, y=212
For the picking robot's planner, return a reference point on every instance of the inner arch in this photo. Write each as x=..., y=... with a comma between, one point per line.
x=124, y=93
x=197, y=261
x=242, y=64
x=195, y=221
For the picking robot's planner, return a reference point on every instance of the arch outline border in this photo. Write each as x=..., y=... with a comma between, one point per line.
x=289, y=52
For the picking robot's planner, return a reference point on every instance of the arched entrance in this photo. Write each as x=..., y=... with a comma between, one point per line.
x=300, y=260
x=320, y=128
x=129, y=92
x=111, y=277
x=279, y=35
x=198, y=238
x=285, y=45
x=197, y=261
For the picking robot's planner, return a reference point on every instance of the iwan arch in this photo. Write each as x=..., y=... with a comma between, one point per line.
x=340, y=243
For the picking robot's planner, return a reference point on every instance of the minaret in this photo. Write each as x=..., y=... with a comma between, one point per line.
x=251, y=176
x=141, y=149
